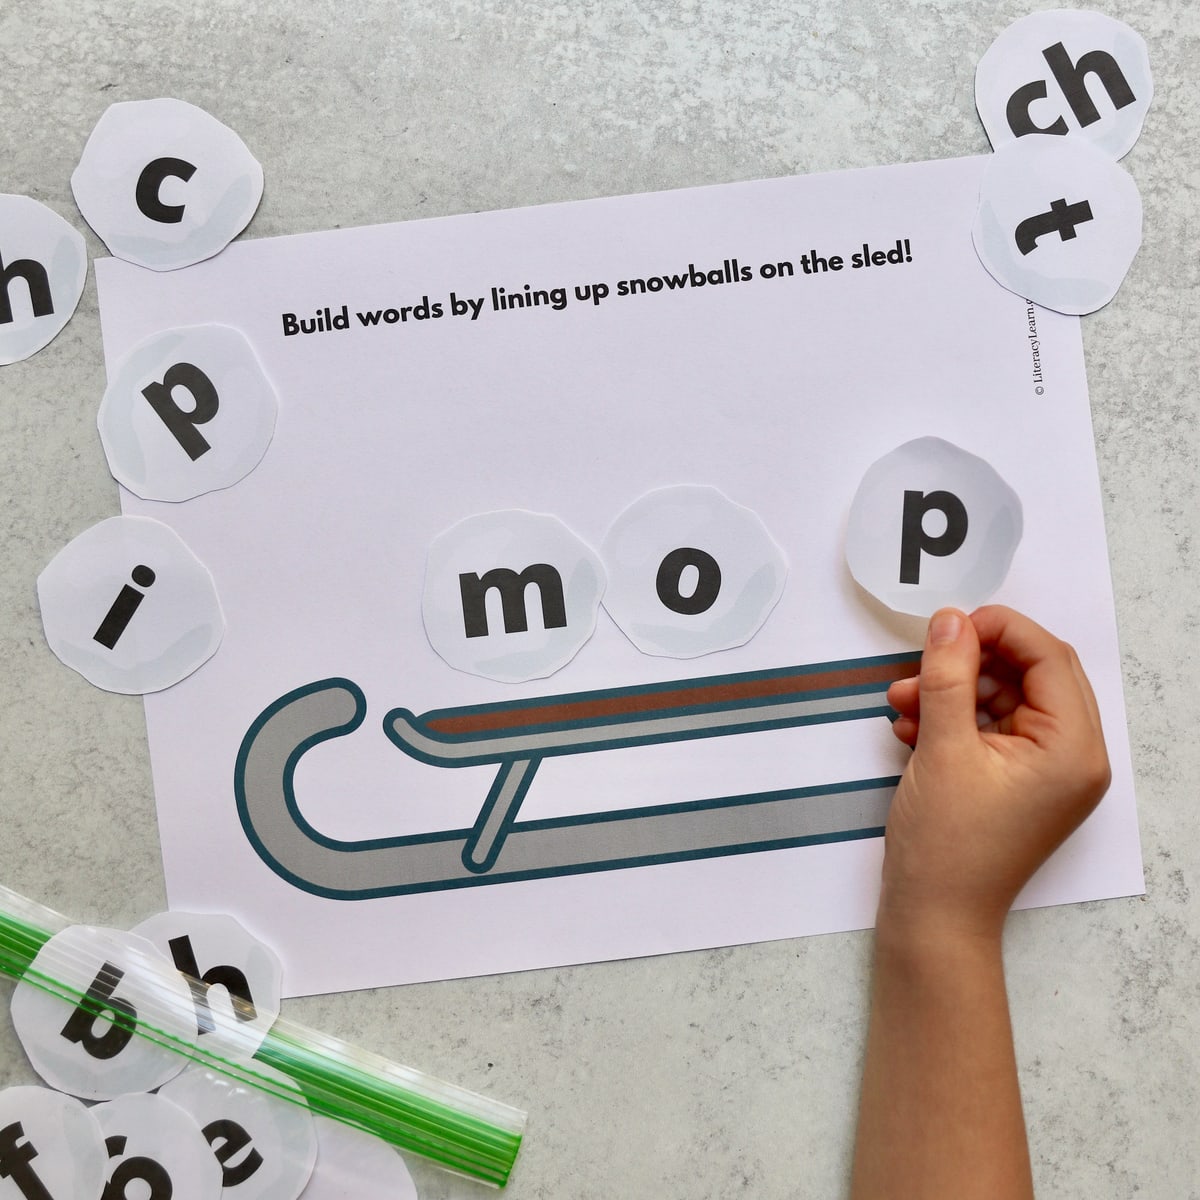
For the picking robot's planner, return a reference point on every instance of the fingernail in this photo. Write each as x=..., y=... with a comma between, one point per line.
x=945, y=627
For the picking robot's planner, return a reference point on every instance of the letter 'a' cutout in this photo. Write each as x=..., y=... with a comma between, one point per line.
x=932, y=525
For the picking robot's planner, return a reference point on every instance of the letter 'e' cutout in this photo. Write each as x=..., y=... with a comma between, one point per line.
x=164, y=184
x=931, y=526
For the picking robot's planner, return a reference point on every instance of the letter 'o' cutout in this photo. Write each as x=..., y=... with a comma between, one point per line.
x=690, y=572
x=931, y=526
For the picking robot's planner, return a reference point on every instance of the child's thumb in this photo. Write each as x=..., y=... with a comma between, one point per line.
x=949, y=677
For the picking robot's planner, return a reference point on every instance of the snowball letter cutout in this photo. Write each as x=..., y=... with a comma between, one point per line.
x=1058, y=223
x=931, y=526
x=266, y=1146
x=1065, y=73
x=235, y=980
x=130, y=607
x=510, y=595
x=187, y=411
x=164, y=184
x=95, y=1051
x=690, y=572
x=43, y=263
x=156, y=1150
x=50, y=1145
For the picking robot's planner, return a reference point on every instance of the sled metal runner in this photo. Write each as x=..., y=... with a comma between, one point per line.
x=516, y=736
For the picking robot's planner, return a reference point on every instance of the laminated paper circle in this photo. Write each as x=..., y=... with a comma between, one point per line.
x=270, y=1144
x=45, y=264
x=129, y=606
x=60, y=1141
x=187, y=411
x=158, y=1148
x=1059, y=223
x=164, y=184
x=1065, y=74
x=95, y=1052
x=932, y=526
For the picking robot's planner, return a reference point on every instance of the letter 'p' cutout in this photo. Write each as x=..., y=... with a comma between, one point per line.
x=149, y=186
x=182, y=422
x=914, y=541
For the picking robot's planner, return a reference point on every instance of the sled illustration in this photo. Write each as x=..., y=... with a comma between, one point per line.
x=516, y=736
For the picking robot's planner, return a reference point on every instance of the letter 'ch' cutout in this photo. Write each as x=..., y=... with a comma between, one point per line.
x=50, y=1145
x=164, y=184
x=93, y=1049
x=43, y=265
x=1059, y=223
x=266, y=1146
x=932, y=525
x=1065, y=74
x=187, y=411
x=690, y=572
x=129, y=606
x=510, y=595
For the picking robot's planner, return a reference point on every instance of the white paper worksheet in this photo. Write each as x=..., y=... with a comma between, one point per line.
x=771, y=340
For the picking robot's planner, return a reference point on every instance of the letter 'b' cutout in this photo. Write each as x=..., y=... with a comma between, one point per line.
x=930, y=526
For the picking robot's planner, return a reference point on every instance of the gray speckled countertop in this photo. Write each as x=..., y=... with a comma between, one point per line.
x=704, y=1075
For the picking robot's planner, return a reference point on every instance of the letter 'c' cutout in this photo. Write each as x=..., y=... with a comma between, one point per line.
x=708, y=582
x=150, y=182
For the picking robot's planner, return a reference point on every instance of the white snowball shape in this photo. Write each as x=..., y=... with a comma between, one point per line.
x=932, y=526
x=94, y=1050
x=690, y=572
x=1059, y=223
x=353, y=1163
x=187, y=411
x=129, y=606
x=238, y=981
x=50, y=1144
x=1065, y=73
x=43, y=265
x=510, y=595
x=266, y=1146
x=156, y=1149
x=164, y=184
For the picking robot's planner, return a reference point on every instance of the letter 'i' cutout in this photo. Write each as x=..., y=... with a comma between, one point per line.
x=117, y=618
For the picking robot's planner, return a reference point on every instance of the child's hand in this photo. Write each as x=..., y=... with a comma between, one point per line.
x=1009, y=759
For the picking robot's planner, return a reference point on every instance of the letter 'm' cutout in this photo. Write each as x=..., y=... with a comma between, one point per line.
x=234, y=1139
x=181, y=423
x=511, y=586
x=228, y=977
x=98, y=1000
x=150, y=182
x=708, y=581
x=914, y=541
